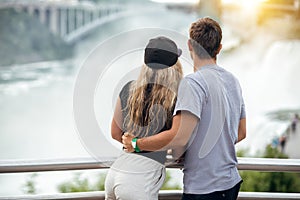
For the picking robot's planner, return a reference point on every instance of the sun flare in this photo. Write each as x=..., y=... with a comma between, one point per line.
x=244, y=3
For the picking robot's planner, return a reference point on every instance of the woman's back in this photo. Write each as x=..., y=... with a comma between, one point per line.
x=144, y=108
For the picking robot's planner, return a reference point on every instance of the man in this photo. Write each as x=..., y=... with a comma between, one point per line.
x=209, y=119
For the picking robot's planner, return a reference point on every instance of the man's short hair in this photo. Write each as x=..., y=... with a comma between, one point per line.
x=205, y=37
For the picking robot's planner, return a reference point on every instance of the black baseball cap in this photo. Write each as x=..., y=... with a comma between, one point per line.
x=161, y=52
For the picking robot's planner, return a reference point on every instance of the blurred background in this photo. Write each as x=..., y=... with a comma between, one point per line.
x=43, y=44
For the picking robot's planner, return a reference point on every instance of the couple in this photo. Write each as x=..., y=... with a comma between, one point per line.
x=201, y=115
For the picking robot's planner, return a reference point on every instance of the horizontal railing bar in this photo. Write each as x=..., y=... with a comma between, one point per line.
x=268, y=195
x=262, y=164
x=98, y=195
x=255, y=164
x=163, y=195
x=269, y=164
x=16, y=166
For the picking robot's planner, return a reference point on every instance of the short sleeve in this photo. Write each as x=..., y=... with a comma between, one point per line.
x=190, y=97
x=124, y=94
x=242, y=103
x=243, y=110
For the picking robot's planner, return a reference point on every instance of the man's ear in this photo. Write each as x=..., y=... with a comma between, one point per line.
x=190, y=45
x=219, y=49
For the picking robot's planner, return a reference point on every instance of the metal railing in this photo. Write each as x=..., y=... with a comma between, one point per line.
x=255, y=164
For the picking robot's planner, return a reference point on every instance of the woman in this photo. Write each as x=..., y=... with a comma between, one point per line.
x=145, y=107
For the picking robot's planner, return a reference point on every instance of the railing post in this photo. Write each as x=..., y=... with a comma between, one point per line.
x=54, y=19
x=63, y=22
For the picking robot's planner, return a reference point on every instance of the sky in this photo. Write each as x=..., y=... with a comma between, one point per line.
x=249, y=2
x=249, y=5
x=176, y=1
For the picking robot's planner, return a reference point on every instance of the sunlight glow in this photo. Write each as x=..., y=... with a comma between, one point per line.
x=248, y=5
x=227, y=1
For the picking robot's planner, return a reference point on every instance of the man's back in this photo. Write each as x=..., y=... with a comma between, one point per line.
x=214, y=96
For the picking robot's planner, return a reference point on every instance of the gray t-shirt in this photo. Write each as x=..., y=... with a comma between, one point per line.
x=215, y=97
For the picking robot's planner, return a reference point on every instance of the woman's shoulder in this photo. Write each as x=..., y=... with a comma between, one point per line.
x=128, y=85
x=125, y=88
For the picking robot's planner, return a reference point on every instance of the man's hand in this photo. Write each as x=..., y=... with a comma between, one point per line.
x=126, y=140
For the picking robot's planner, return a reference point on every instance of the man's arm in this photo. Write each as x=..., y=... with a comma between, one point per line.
x=116, y=124
x=183, y=125
x=242, y=130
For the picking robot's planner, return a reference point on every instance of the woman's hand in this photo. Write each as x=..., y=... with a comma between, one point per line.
x=126, y=140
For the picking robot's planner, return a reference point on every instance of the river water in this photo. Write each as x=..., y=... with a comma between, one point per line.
x=37, y=122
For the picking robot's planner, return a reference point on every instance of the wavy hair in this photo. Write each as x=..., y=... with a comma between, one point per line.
x=152, y=99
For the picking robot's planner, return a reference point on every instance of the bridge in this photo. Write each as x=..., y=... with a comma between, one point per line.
x=69, y=19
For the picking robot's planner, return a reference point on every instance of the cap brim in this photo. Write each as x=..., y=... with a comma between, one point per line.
x=179, y=52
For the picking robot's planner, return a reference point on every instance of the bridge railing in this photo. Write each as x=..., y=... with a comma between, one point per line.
x=255, y=164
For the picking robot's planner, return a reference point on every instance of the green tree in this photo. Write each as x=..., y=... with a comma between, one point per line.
x=271, y=152
x=168, y=185
x=99, y=186
x=82, y=184
x=270, y=181
x=30, y=186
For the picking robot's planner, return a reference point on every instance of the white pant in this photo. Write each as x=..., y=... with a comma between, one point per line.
x=134, y=177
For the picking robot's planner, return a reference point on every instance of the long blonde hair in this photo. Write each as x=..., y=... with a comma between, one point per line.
x=152, y=99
